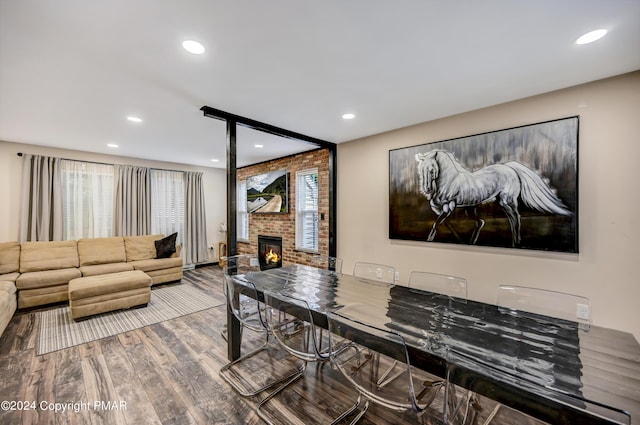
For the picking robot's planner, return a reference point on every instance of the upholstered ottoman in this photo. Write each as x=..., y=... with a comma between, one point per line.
x=114, y=291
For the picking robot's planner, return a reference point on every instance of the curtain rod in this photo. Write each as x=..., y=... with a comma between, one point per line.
x=105, y=163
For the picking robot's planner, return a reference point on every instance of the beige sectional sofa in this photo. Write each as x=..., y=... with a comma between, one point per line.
x=41, y=271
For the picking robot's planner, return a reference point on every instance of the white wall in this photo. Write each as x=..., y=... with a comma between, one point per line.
x=214, y=182
x=606, y=269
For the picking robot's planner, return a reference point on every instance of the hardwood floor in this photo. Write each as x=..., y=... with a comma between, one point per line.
x=161, y=374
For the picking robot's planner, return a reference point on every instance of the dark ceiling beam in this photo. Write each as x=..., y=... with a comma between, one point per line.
x=267, y=128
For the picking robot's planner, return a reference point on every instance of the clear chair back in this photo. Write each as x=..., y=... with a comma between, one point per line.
x=560, y=305
x=291, y=322
x=376, y=362
x=241, y=264
x=327, y=263
x=242, y=298
x=451, y=286
x=375, y=272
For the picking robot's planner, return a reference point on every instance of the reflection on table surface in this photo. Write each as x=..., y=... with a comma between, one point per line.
x=550, y=357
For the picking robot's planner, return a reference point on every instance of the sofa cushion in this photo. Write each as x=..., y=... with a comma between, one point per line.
x=9, y=257
x=7, y=287
x=166, y=247
x=101, y=251
x=39, y=256
x=157, y=264
x=141, y=247
x=41, y=296
x=105, y=268
x=11, y=277
x=47, y=278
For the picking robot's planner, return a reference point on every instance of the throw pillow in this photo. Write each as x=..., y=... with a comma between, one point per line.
x=165, y=247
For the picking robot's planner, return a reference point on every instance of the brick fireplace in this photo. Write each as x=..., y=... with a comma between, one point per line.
x=284, y=224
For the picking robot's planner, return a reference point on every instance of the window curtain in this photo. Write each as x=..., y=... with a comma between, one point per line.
x=195, y=227
x=167, y=203
x=87, y=199
x=41, y=209
x=132, y=201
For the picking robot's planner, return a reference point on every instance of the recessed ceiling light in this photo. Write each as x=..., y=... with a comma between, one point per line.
x=134, y=119
x=592, y=36
x=194, y=47
x=215, y=160
x=112, y=145
x=348, y=116
x=259, y=146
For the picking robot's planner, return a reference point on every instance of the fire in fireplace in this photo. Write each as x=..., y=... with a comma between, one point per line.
x=269, y=252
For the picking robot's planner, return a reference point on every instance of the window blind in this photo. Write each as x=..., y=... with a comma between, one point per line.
x=167, y=203
x=242, y=215
x=307, y=209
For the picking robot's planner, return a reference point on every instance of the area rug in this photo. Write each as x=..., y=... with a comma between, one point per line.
x=58, y=330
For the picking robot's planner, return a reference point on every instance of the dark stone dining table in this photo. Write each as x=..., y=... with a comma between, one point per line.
x=555, y=370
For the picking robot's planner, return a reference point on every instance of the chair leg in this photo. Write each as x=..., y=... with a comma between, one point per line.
x=264, y=401
x=361, y=413
x=248, y=393
x=351, y=410
x=343, y=415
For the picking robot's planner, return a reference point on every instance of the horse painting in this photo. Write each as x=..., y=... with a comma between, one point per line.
x=448, y=185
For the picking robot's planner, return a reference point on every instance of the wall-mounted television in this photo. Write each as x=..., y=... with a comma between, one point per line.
x=268, y=193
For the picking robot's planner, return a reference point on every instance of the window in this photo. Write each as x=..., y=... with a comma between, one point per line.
x=167, y=203
x=87, y=199
x=242, y=215
x=307, y=210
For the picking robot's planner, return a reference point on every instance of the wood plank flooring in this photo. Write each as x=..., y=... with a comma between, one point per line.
x=161, y=374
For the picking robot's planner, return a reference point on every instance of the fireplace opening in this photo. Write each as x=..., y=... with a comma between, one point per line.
x=269, y=252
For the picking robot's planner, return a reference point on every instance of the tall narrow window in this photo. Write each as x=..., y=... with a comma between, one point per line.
x=87, y=199
x=167, y=203
x=241, y=212
x=307, y=210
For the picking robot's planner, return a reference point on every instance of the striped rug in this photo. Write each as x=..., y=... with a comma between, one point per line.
x=58, y=330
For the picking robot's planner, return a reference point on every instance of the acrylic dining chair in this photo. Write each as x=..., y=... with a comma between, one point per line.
x=360, y=350
x=263, y=367
x=291, y=322
x=450, y=286
x=522, y=299
x=327, y=263
x=375, y=272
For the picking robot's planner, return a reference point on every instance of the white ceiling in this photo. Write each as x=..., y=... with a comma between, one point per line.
x=72, y=70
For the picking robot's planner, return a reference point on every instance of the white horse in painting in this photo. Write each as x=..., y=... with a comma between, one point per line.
x=448, y=185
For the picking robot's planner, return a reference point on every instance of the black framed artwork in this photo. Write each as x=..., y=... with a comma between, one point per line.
x=513, y=188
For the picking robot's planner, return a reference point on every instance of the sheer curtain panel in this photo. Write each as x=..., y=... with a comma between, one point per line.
x=41, y=210
x=195, y=224
x=132, y=202
x=87, y=198
x=167, y=203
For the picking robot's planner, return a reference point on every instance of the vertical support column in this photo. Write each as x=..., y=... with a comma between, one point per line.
x=233, y=325
x=333, y=210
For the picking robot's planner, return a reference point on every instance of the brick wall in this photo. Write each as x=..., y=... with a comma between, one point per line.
x=284, y=225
